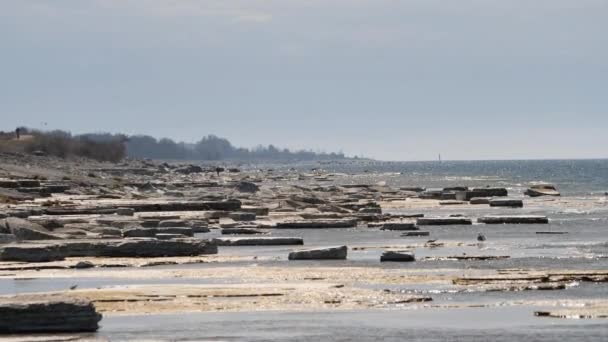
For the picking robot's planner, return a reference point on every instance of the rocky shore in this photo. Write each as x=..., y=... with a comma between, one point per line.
x=61, y=218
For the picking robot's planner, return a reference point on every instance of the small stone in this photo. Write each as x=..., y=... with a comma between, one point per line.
x=84, y=264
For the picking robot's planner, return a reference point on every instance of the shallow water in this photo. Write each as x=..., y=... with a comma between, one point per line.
x=467, y=324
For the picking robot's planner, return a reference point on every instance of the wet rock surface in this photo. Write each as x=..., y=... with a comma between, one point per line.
x=320, y=254
x=47, y=313
x=99, y=220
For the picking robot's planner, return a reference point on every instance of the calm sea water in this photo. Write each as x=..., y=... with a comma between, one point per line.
x=573, y=177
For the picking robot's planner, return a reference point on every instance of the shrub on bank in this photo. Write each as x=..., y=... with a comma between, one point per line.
x=64, y=144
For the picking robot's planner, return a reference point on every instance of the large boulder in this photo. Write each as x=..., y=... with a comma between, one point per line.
x=26, y=230
x=338, y=253
x=47, y=314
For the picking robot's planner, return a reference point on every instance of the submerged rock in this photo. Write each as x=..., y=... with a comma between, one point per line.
x=47, y=314
x=338, y=253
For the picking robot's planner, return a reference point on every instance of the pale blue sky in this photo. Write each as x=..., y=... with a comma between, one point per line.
x=397, y=80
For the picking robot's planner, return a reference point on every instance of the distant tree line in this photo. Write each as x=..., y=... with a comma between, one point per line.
x=212, y=147
x=64, y=144
x=114, y=147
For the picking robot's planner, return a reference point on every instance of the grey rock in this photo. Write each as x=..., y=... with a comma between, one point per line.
x=327, y=223
x=486, y=192
x=416, y=233
x=141, y=247
x=247, y=187
x=258, y=241
x=479, y=200
x=26, y=230
x=506, y=202
x=47, y=314
x=7, y=238
x=173, y=223
x=370, y=210
x=152, y=232
x=150, y=223
x=84, y=264
x=402, y=256
x=513, y=219
x=189, y=169
x=399, y=226
x=111, y=231
x=242, y=216
x=167, y=236
x=337, y=253
x=125, y=211
x=241, y=231
x=443, y=221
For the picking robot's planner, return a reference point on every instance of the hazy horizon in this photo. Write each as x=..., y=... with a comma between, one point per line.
x=389, y=80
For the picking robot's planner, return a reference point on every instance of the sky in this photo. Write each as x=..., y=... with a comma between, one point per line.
x=387, y=79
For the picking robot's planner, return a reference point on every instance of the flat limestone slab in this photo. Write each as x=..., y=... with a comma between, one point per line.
x=336, y=253
x=507, y=202
x=258, y=241
x=47, y=313
x=443, y=221
x=400, y=256
x=399, y=226
x=41, y=251
x=513, y=219
x=327, y=223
